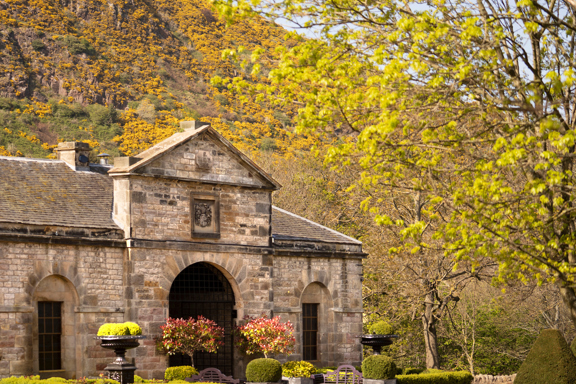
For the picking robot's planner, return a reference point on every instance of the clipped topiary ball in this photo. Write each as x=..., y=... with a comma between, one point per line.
x=550, y=361
x=378, y=367
x=179, y=373
x=381, y=328
x=263, y=370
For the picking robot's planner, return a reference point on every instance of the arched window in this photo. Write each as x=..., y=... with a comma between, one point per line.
x=54, y=330
x=317, y=322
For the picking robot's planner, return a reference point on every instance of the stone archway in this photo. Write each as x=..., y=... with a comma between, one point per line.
x=202, y=289
x=55, y=347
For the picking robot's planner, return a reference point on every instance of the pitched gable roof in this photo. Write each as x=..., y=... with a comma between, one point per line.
x=157, y=151
x=48, y=192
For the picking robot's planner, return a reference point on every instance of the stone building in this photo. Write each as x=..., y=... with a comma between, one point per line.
x=186, y=228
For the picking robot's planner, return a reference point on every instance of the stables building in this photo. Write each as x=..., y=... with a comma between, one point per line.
x=185, y=228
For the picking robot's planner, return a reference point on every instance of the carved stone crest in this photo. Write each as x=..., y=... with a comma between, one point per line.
x=203, y=215
x=204, y=159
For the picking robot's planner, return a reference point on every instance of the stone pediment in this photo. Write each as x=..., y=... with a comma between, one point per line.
x=197, y=154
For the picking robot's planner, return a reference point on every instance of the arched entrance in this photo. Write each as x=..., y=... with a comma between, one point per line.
x=201, y=289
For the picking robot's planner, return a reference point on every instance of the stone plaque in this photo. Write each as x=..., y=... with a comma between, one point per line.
x=204, y=159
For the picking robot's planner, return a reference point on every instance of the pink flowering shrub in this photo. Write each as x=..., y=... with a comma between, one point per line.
x=189, y=336
x=265, y=335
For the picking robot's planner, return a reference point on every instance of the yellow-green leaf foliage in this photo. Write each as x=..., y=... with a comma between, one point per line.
x=298, y=369
x=381, y=328
x=179, y=373
x=119, y=329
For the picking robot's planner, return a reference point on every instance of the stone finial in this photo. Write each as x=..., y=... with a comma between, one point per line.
x=75, y=154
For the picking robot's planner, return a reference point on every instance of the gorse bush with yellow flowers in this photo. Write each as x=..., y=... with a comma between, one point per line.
x=121, y=75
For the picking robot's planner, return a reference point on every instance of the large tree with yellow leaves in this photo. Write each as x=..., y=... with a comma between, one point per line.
x=468, y=106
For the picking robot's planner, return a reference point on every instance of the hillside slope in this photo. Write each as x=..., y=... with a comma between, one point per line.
x=121, y=74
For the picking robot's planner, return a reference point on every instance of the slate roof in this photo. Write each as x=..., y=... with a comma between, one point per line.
x=288, y=226
x=49, y=192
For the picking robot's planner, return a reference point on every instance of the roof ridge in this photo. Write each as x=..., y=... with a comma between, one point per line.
x=30, y=159
x=318, y=225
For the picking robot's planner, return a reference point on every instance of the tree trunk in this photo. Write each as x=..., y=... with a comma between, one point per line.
x=569, y=298
x=430, y=337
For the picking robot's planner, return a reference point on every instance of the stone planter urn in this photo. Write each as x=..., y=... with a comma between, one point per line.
x=120, y=369
x=264, y=382
x=298, y=380
x=377, y=341
x=372, y=381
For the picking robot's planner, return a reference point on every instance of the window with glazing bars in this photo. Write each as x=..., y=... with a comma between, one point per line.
x=50, y=335
x=310, y=331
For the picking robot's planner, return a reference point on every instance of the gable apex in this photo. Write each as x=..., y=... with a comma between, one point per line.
x=137, y=164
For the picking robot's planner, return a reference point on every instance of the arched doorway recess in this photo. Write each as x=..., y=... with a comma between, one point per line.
x=55, y=347
x=318, y=327
x=201, y=289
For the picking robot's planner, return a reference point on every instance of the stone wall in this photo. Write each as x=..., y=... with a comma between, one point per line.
x=341, y=305
x=89, y=280
x=105, y=284
x=162, y=210
x=223, y=166
x=262, y=283
x=489, y=379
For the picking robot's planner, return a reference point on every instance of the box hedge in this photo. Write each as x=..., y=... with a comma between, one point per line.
x=263, y=370
x=412, y=371
x=378, y=367
x=179, y=373
x=550, y=361
x=461, y=377
x=298, y=369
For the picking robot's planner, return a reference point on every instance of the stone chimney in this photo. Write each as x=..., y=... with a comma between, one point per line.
x=192, y=124
x=74, y=154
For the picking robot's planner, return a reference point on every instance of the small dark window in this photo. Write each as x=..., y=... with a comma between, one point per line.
x=310, y=331
x=50, y=335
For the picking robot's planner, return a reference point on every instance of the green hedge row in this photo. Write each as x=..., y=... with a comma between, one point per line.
x=461, y=377
x=179, y=373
